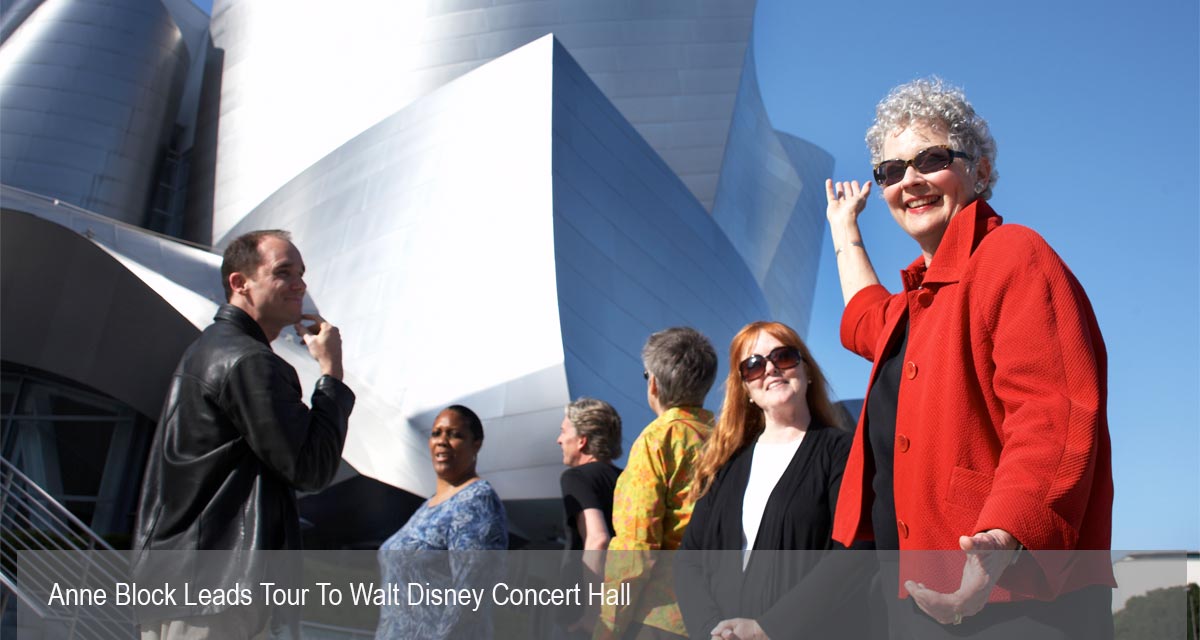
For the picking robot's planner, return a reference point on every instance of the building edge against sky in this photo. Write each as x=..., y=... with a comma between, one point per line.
x=603, y=241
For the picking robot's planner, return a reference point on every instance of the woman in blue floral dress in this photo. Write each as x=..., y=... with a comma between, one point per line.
x=465, y=518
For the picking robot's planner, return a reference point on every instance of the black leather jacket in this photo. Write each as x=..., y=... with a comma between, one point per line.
x=234, y=443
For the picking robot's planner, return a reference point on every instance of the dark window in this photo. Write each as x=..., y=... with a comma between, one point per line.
x=84, y=448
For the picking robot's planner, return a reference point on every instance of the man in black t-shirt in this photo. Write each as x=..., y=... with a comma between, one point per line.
x=590, y=438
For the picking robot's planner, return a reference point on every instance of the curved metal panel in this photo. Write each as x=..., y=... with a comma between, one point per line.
x=635, y=253
x=13, y=14
x=671, y=68
x=770, y=204
x=429, y=241
x=103, y=327
x=88, y=93
x=508, y=241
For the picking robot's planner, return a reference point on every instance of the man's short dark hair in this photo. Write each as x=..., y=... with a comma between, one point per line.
x=242, y=256
x=684, y=364
x=600, y=424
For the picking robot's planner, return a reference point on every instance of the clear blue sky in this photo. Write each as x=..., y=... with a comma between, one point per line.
x=1095, y=109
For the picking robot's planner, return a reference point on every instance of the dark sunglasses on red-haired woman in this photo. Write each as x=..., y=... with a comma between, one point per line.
x=755, y=366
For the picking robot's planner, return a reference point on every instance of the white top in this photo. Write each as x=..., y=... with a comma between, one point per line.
x=766, y=467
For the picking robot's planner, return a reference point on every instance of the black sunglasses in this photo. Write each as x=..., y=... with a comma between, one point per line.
x=889, y=172
x=755, y=366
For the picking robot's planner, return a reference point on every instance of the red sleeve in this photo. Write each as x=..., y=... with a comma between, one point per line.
x=863, y=320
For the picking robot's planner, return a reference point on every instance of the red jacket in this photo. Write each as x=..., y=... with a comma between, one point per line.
x=1001, y=420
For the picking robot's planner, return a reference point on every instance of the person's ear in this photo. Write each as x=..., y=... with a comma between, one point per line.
x=983, y=172
x=237, y=282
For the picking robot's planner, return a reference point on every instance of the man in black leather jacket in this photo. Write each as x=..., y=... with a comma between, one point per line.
x=235, y=442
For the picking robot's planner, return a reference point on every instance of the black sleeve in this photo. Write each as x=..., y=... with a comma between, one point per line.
x=577, y=492
x=301, y=445
x=696, y=603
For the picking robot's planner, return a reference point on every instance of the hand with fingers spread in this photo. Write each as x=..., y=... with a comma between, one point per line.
x=324, y=342
x=738, y=629
x=846, y=201
x=989, y=553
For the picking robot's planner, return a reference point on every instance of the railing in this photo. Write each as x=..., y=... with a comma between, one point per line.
x=33, y=521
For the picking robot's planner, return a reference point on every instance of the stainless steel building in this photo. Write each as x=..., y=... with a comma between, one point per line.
x=671, y=69
x=497, y=205
x=88, y=97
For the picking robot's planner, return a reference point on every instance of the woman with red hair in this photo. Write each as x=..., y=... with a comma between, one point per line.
x=767, y=481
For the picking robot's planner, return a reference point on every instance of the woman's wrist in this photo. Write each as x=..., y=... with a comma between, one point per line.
x=842, y=235
x=846, y=246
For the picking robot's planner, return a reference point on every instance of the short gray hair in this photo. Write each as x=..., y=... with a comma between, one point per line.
x=684, y=364
x=600, y=424
x=939, y=105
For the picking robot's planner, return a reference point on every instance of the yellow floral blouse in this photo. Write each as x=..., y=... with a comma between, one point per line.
x=651, y=509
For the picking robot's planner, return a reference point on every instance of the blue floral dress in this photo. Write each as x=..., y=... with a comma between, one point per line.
x=468, y=523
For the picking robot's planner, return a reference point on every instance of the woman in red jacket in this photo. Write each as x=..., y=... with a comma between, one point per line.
x=984, y=427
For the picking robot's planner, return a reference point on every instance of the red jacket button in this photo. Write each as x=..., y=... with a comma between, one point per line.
x=925, y=298
x=902, y=443
x=910, y=369
x=902, y=528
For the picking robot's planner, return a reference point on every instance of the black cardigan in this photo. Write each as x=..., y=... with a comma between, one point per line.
x=798, y=593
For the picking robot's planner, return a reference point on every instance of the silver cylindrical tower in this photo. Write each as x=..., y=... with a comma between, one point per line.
x=88, y=95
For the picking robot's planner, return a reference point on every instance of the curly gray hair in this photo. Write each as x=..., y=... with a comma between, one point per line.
x=939, y=105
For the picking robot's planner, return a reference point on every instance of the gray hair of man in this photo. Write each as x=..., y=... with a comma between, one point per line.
x=684, y=365
x=599, y=422
x=941, y=106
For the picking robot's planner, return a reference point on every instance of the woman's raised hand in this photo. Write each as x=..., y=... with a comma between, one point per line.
x=846, y=201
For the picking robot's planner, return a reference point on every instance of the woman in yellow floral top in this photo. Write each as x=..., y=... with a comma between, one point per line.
x=652, y=503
